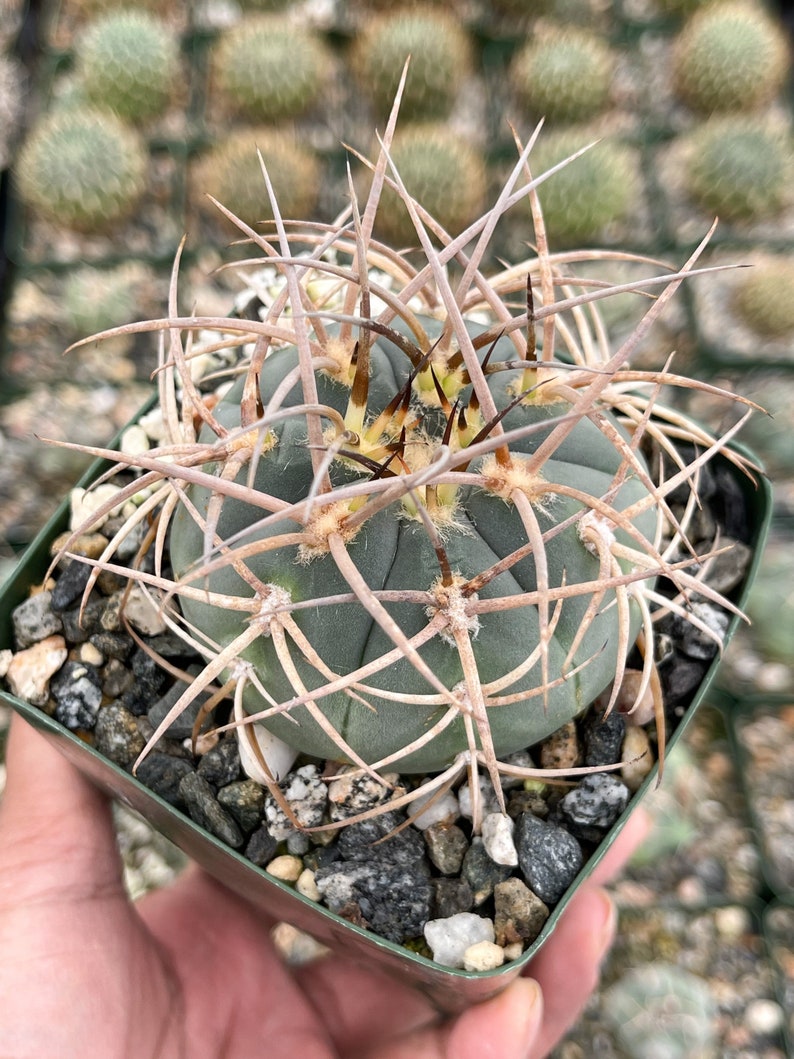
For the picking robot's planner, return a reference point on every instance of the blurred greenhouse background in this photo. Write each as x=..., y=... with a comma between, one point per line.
x=116, y=120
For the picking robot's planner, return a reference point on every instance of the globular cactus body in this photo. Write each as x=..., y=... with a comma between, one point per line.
x=128, y=62
x=82, y=168
x=393, y=552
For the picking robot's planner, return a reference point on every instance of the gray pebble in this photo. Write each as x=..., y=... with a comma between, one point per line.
x=182, y=726
x=35, y=620
x=112, y=644
x=549, y=857
x=593, y=806
x=446, y=846
x=603, y=738
x=204, y=808
x=162, y=773
x=519, y=914
x=245, y=800
x=451, y=896
x=482, y=873
x=261, y=847
x=306, y=794
x=79, y=627
x=76, y=689
x=70, y=584
x=117, y=735
x=221, y=765
x=694, y=642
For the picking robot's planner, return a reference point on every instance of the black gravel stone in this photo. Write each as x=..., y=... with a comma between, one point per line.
x=391, y=899
x=590, y=809
x=356, y=841
x=35, y=620
x=112, y=644
x=79, y=628
x=221, y=765
x=482, y=873
x=549, y=857
x=163, y=773
x=245, y=800
x=70, y=585
x=451, y=896
x=603, y=738
x=182, y=726
x=204, y=808
x=77, y=691
x=680, y=677
x=446, y=846
x=261, y=848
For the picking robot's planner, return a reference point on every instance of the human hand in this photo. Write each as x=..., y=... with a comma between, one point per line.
x=190, y=971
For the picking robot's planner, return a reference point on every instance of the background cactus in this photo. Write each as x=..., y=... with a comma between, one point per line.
x=661, y=1011
x=729, y=56
x=232, y=173
x=440, y=58
x=764, y=296
x=128, y=61
x=443, y=172
x=269, y=68
x=597, y=189
x=739, y=169
x=563, y=74
x=82, y=168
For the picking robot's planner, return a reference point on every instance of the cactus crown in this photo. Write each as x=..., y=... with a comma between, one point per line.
x=764, y=296
x=409, y=535
x=82, y=168
x=730, y=56
x=269, y=68
x=127, y=61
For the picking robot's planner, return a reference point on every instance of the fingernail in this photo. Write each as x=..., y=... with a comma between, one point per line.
x=605, y=923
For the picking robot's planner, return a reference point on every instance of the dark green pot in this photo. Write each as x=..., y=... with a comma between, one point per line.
x=449, y=989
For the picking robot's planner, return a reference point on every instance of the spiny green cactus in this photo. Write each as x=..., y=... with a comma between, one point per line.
x=128, y=61
x=441, y=171
x=597, y=189
x=729, y=56
x=231, y=172
x=661, y=1011
x=764, y=296
x=739, y=169
x=82, y=168
x=269, y=68
x=407, y=537
x=440, y=54
x=563, y=74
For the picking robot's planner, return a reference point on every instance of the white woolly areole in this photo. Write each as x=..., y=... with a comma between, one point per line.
x=596, y=533
x=451, y=602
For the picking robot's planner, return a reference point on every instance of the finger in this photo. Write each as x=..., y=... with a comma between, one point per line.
x=504, y=1027
x=56, y=829
x=567, y=967
x=634, y=832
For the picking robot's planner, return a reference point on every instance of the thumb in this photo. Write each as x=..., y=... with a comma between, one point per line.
x=56, y=829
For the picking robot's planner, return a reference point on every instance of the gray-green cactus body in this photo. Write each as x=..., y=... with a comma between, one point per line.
x=392, y=550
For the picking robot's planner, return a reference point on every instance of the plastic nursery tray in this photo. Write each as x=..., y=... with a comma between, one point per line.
x=449, y=989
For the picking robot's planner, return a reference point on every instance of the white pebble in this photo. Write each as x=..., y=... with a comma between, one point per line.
x=142, y=610
x=286, y=868
x=763, y=1016
x=450, y=938
x=134, y=441
x=497, y=837
x=307, y=886
x=91, y=655
x=514, y=951
x=483, y=956
x=84, y=502
x=444, y=809
x=488, y=800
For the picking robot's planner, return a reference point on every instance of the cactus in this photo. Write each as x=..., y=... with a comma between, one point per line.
x=95, y=299
x=269, y=68
x=440, y=54
x=231, y=172
x=661, y=1011
x=443, y=172
x=563, y=74
x=405, y=536
x=82, y=168
x=597, y=189
x=729, y=56
x=739, y=169
x=128, y=61
x=764, y=297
